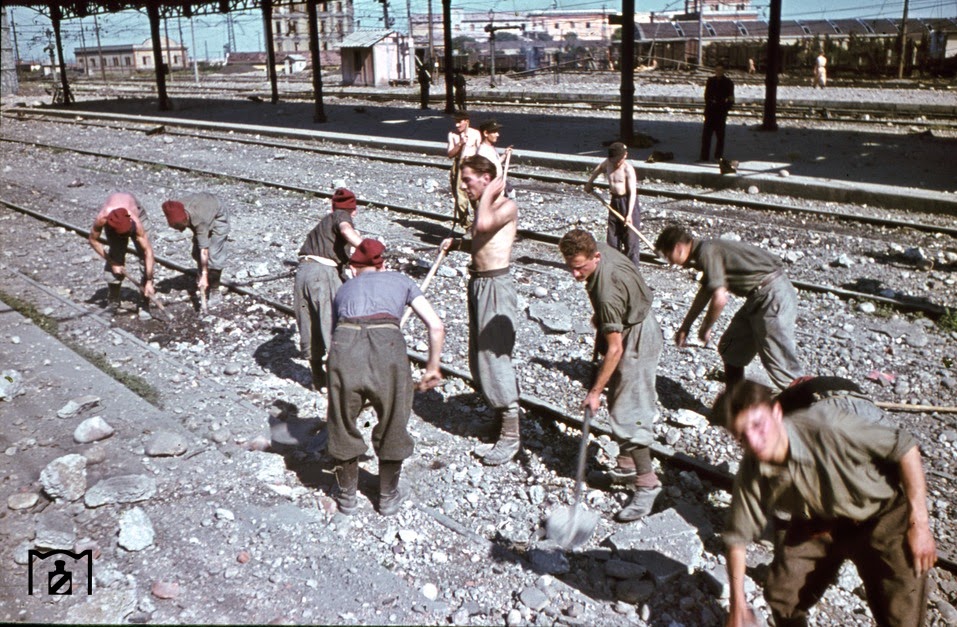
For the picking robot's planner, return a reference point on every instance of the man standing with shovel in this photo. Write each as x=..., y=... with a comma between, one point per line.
x=623, y=185
x=622, y=302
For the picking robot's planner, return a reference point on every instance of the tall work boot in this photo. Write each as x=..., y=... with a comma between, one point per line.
x=347, y=476
x=647, y=488
x=215, y=296
x=732, y=375
x=113, y=299
x=508, y=439
x=391, y=494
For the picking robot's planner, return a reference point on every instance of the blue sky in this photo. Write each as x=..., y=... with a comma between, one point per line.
x=211, y=30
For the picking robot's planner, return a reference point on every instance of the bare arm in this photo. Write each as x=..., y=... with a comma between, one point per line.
x=919, y=538
x=491, y=215
x=456, y=243
x=739, y=614
x=352, y=236
x=94, y=238
x=423, y=309
x=456, y=143
x=631, y=184
x=719, y=299
x=149, y=261
x=202, y=282
x=594, y=175
x=701, y=299
x=608, y=366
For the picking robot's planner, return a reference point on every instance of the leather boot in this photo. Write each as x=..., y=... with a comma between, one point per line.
x=347, y=476
x=391, y=494
x=215, y=295
x=508, y=440
x=113, y=299
x=647, y=487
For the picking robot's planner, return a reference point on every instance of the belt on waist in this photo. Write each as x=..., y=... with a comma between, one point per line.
x=488, y=274
x=380, y=321
x=323, y=260
x=766, y=281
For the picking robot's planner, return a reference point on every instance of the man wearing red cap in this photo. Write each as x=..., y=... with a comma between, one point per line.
x=322, y=259
x=122, y=217
x=368, y=363
x=203, y=214
x=492, y=299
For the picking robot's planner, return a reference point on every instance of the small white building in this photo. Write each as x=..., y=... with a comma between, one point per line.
x=372, y=58
x=127, y=58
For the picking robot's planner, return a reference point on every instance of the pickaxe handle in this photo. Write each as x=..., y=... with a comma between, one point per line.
x=622, y=218
x=425, y=283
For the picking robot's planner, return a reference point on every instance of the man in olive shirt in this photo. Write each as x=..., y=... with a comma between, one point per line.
x=622, y=303
x=203, y=214
x=847, y=486
x=763, y=326
x=322, y=258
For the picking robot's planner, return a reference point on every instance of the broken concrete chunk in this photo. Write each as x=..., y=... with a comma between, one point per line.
x=64, y=479
x=76, y=405
x=122, y=489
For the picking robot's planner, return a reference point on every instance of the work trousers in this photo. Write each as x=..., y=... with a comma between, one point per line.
x=316, y=285
x=714, y=124
x=809, y=554
x=632, y=398
x=618, y=235
x=765, y=326
x=493, y=310
x=368, y=362
x=218, y=255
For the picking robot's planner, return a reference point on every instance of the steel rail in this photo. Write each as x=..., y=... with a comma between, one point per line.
x=715, y=475
x=717, y=197
x=931, y=309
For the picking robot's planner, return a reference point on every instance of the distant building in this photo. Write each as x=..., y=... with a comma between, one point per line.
x=129, y=58
x=290, y=23
x=259, y=62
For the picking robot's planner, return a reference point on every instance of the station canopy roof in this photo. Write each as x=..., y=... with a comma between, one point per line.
x=71, y=10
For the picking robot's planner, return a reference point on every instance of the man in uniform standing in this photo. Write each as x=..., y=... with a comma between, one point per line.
x=838, y=485
x=425, y=83
x=623, y=185
x=208, y=219
x=718, y=100
x=492, y=300
x=463, y=142
x=763, y=326
x=122, y=217
x=622, y=303
x=322, y=258
x=368, y=362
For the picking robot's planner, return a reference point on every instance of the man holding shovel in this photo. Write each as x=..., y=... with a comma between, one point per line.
x=623, y=185
x=765, y=323
x=622, y=303
x=492, y=299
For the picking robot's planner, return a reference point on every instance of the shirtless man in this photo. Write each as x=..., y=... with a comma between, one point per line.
x=463, y=143
x=492, y=299
x=623, y=185
x=122, y=217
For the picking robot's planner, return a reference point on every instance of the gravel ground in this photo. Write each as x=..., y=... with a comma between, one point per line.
x=502, y=506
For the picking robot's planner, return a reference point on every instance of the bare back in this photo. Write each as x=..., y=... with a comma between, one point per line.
x=119, y=200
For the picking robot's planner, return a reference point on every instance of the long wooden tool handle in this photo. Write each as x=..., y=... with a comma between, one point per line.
x=622, y=218
x=508, y=157
x=425, y=283
x=142, y=289
x=906, y=407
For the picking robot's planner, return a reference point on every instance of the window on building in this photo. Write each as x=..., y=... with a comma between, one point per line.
x=278, y=30
x=146, y=60
x=175, y=59
x=557, y=25
x=571, y=25
x=322, y=27
x=292, y=28
x=587, y=24
x=92, y=62
x=338, y=7
x=472, y=28
x=116, y=61
x=128, y=61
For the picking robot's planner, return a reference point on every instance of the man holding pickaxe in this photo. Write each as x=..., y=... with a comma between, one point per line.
x=623, y=185
x=120, y=218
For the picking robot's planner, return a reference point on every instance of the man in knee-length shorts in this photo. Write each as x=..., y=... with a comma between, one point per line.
x=208, y=219
x=120, y=218
x=763, y=326
x=368, y=362
x=622, y=303
x=322, y=258
x=837, y=485
x=492, y=300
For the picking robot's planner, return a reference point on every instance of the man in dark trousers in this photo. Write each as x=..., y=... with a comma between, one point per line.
x=425, y=83
x=459, y=86
x=322, y=259
x=208, y=219
x=718, y=100
x=836, y=485
x=122, y=217
x=622, y=303
x=763, y=326
x=368, y=363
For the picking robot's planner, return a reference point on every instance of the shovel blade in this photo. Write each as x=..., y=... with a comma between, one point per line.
x=570, y=527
